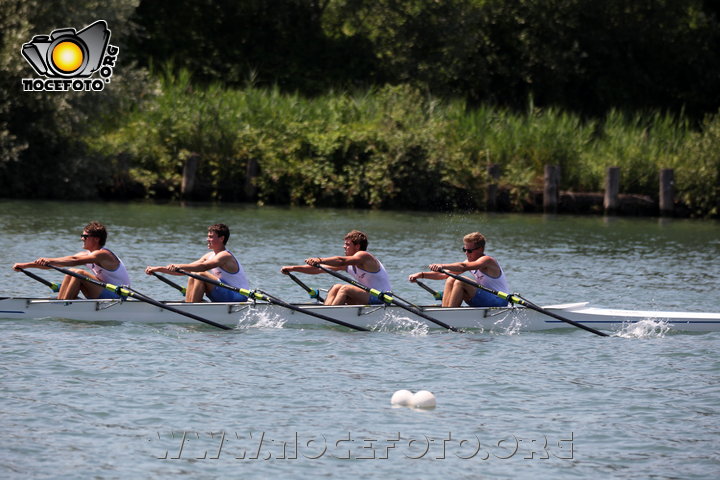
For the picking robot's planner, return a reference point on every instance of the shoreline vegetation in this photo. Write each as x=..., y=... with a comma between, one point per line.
x=375, y=105
x=394, y=148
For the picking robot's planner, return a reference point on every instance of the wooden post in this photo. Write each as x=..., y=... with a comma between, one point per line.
x=667, y=194
x=611, y=204
x=551, y=192
x=188, y=179
x=493, y=173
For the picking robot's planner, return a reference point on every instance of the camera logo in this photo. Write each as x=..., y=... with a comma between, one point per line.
x=68, y=59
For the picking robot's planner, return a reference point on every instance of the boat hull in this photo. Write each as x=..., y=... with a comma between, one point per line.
x=372, y=316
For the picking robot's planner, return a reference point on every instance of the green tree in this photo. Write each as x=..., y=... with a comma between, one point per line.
x=41, y=133
x=262, y=42
x=586, y=55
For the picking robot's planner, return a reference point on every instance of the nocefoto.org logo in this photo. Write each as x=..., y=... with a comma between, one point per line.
x=68, y=59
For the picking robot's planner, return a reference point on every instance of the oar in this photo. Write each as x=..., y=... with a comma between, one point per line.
x=180, y=288
x=387, y=298
x=53, y=286
x=167, y=281
x=436, y=295
x=311, y=291
x=521, y=301
x=271, y=299
x=120, y=290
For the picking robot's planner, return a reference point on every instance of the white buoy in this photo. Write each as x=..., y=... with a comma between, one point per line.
x=423, y=399
x=402, y=397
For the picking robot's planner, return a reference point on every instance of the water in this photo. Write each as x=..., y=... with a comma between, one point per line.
x=121, y=400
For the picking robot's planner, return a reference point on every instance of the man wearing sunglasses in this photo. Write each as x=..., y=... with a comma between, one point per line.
x=484, y=268
x=106, y=267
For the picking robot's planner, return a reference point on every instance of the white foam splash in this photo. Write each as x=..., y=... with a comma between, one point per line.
x=511, y=328
x=261, y=319
x=393, y=322
x=646, y=328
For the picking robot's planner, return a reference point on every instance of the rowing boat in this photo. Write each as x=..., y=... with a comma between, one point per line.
x=369, y=316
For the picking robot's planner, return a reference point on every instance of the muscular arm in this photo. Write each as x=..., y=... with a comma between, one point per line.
x=171, y=269
x=300, y=268
x=485, y=264
x=100, y=257
x=362, y=259
x=222, y=260
x=426, y=276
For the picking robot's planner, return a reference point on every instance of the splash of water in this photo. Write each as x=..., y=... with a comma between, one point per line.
x=261, y=319
x=503, y=326
x=394, y=322
x=646, y=328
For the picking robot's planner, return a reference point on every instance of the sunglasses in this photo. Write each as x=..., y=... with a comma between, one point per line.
x=85, y=236
x=470, y=250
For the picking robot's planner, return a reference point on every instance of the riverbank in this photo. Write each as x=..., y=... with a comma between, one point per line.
x=395, y=147
x=383, y=148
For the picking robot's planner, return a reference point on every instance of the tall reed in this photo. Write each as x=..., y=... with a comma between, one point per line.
x=391, y=147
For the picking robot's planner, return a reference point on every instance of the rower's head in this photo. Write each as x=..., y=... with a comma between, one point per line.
x=474, y=244
x=94, y=230
x=219, y=230
x=355, y=240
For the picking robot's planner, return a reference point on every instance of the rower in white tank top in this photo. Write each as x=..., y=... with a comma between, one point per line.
x=119, y=276
x=496, y=283
x=237, y=279
x=378, y=280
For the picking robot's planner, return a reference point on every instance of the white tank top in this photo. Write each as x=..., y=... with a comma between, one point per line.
x=119, y=276
x=496, y=283
x=378, y=280
x=237, y=279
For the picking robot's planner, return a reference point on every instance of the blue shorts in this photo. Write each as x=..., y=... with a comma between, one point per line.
x=486, y=299
x=220, y=294
x=105, y=293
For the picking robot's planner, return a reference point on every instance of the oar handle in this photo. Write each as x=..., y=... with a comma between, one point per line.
x=169, y=282
x=523, y=302
x=437, y=295
x=53, y=286
x=311, y=291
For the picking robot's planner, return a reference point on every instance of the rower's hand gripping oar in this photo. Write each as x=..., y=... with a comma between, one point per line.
x=436, y=295
x=311, y=291
x=521, y=301
x=387, y=298
x=53, y=286
x=271, y=299
x=125, y=292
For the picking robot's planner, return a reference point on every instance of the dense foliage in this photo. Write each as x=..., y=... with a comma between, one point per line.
x=367, y=103
x=583, y=55
x=392, y=147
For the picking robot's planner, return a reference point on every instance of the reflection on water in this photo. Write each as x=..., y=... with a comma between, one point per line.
x=644, y=263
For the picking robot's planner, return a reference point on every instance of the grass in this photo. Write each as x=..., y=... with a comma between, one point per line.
x=395, y=147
